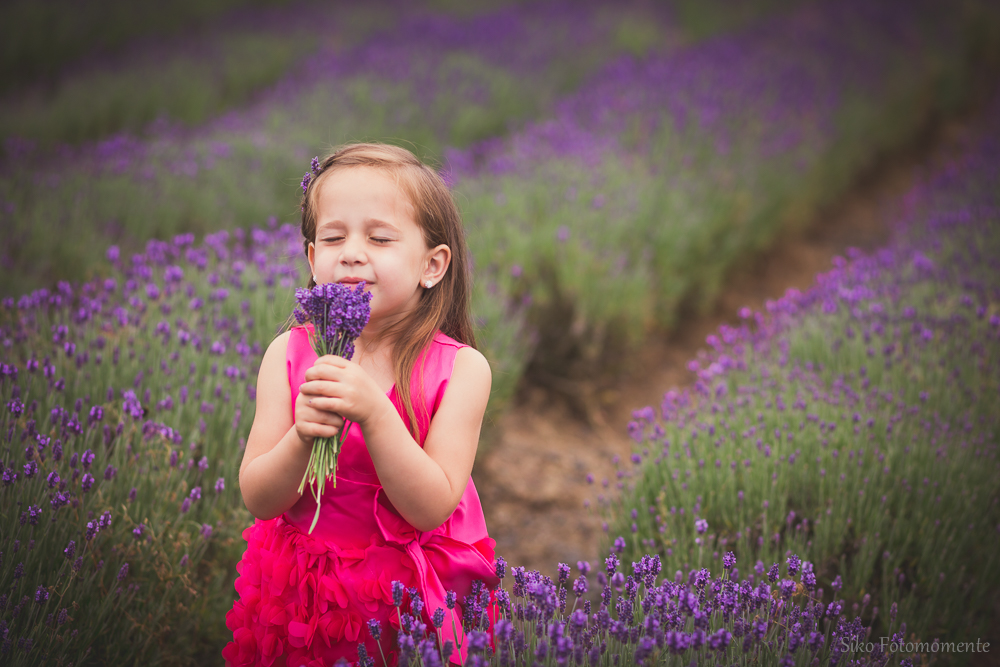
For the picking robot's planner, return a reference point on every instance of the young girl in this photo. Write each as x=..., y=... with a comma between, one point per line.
x=404, y=507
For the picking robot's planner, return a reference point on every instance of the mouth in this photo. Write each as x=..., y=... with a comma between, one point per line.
x=353, y=281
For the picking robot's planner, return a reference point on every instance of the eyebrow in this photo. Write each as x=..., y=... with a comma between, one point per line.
x=369, y=223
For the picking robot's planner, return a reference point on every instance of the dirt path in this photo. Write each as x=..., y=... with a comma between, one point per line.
x=532, y=479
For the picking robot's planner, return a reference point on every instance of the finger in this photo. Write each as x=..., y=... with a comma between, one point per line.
x=324, y=372
x=314, y=430
x=320, y=388
x=322, y=410
x=330, y=360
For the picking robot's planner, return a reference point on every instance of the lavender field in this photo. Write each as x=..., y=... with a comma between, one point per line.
x=833, y=470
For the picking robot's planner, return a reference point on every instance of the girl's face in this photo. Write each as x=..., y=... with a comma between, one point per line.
x=366, y=230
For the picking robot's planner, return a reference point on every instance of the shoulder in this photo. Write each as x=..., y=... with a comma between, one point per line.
x=274, y=356
x=465, y=358
x=472, y=367
x=280, y=343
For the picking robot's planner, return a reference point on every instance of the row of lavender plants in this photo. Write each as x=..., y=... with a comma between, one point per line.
x=40, y=41
x=660, y=174
x=854, y=425
x=126, y=402
x=422, y=78
x=688, y=618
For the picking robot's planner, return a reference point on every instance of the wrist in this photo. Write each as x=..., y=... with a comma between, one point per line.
x=383, y=408
x=302, y=444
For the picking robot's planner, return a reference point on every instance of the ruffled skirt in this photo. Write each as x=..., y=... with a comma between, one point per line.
x=305, y=601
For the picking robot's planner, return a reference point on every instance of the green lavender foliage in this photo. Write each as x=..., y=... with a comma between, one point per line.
x=240, y=169
x=857, y=428
x=193, y=368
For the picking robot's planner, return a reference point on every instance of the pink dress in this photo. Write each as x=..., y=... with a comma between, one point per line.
x=309, y=597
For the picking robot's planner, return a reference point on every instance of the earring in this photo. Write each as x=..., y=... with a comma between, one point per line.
x=428, y=284
x=315, y=281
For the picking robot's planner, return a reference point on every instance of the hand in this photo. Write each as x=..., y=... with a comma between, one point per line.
x=335, y=386
x=313, y=422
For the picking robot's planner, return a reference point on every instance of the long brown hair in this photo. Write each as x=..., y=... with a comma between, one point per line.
x=446, y=306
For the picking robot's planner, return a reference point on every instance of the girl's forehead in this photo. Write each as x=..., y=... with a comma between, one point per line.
x=358, y=189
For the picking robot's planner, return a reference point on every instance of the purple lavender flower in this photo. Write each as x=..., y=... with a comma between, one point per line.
x=701, y=526
x=41, y=595
x=123, y=572
x=375, y=629
x=206, y=530
x=220, y=485
x=397, y=593
x=138, y=530
x=611, y=564
x=131, y=405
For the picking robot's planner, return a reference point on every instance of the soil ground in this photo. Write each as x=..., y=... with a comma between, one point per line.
x=532, y=477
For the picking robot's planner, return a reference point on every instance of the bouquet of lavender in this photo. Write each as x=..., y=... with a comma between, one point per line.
x=338, y=314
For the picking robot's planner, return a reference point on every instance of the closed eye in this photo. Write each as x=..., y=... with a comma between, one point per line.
x=381, y=240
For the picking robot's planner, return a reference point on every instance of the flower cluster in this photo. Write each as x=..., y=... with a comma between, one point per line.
x=338, y=315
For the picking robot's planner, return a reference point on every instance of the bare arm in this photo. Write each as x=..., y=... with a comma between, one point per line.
x=424, y=484
x=277, y=450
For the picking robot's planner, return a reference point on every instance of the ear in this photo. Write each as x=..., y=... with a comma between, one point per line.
x=311, y=254
x=438, y=261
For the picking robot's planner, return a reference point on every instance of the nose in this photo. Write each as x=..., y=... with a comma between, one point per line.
x=353, y=251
